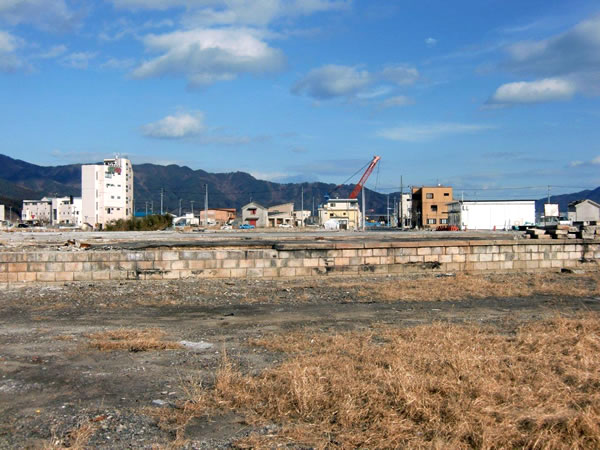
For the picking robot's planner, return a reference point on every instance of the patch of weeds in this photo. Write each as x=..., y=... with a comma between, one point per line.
x=132, y=340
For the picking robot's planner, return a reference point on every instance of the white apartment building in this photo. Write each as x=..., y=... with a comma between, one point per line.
x=66, y=211
x=2, y=213
x=37, y=210
x=107, y=192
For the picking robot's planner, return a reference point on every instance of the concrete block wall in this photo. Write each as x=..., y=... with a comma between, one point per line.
x=295, y=260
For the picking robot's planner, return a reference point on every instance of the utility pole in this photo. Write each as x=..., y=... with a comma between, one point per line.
x=302, y=207
x=313, y=208
x=206, y=205
x=151, y=206
x=179, y=207
x=401, y=202
x=161, y=201
x=387, y=211
x=363, y=208
x=146, y=207
x=192, y=203
x=548, y=204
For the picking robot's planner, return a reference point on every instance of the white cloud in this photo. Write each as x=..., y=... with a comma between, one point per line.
x=593, y=162
x=418, y=133
x=236, y=12
x=8, y=42
x=45, y=14
x=118, y=64
x=177, y=126
x=546, y=90
x=269, y=176
x=204, y=56
x=574, y=54
x=332, y=81
x=258, y=12
x=430, y=42
x=78, y=60
x=9, y=60
x=54, y=52
x=398, y=100
x=400, y=74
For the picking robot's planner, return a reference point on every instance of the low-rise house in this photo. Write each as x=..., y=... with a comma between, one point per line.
x=282, y=214
x=37, y=210
x=2, y=213
x=254, y=214
x=584, y=211
x=344, y=210
x=218, y=216
x=302, y=218
x=491, y=214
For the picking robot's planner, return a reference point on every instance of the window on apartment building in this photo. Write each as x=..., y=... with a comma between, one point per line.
x=444, y=221
x=332, y=205
x=446, y=194
x=431, y=222
x=433, y=208
x=430, y=195
x=331, y=214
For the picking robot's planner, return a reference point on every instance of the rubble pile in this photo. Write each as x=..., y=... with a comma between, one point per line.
x=575, y=231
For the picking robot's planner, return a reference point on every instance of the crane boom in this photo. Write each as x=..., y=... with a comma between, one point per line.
x=365, y=177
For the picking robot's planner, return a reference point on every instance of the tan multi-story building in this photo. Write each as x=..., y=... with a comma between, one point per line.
x=430, y=206
x=107, y=192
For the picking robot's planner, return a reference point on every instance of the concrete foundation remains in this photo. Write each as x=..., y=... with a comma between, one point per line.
x=294, y=259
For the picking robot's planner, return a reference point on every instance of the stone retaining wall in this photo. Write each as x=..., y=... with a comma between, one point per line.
x=295, y=260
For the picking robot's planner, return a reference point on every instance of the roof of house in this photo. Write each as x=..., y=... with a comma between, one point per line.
x=577, y=202
x=493, y=201
x=255, y=204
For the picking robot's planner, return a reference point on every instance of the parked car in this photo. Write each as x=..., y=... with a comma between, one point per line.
x=22, y=225
x=285, y=225
x=226, y=227
x=246, y=226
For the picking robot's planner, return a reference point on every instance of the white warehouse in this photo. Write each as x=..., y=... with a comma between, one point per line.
x=491, y=214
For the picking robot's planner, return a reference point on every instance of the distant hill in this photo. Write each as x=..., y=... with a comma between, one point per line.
x=563, y=200
x=22, y=180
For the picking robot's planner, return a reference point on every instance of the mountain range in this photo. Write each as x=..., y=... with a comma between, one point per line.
x=22, y=180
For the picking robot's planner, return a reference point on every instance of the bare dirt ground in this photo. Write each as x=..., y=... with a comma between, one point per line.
x=116, y=364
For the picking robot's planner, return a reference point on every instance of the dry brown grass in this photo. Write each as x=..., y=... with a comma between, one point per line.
x=434, y=386
x=464, y=286
x=132, y=340
x=75, y=439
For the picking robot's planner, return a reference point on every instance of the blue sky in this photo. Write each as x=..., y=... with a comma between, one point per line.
x=494, y=97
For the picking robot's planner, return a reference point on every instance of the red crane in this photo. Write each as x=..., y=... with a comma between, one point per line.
x=364, y=178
